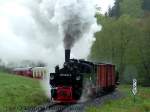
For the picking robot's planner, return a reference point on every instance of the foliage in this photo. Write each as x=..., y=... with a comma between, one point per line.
x=115, y=11
x=146, y=5
x=144, y=51
x=113, y=41
x=132, y=8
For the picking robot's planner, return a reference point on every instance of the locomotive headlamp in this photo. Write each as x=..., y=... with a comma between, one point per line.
x=78, y=78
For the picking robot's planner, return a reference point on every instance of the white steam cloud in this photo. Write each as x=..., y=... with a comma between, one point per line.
x=35, y=30
x=38, y=30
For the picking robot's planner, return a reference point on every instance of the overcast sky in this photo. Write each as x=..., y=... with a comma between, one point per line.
x=104, y=4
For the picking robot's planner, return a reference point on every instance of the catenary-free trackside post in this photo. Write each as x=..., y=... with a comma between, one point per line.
x=134, y=88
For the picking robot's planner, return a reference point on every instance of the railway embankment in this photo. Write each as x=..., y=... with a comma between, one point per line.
x=18, y=93
x=126, y=103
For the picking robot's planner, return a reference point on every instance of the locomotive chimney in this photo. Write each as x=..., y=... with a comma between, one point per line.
x=67, y=55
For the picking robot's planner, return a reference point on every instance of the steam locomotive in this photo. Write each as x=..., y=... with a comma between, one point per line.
x=80, y=76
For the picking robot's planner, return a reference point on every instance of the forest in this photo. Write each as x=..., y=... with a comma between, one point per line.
x=125, y=40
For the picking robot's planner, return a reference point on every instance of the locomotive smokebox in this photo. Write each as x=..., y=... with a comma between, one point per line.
x=67, y=55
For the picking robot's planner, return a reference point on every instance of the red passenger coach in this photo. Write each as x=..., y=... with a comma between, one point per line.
x=23, y=71
x=105, y=76
x=32, y=72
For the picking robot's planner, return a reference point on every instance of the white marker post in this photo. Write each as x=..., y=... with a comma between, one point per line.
x=134, y=89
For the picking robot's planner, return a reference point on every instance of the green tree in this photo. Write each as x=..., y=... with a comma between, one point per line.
x=125, y=43
x=112, y=42
x=146, y=5
x=131, y=7
x=115, y=11
x=144, y=51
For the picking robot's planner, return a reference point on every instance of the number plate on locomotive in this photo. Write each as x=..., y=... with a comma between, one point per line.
x=65, y=75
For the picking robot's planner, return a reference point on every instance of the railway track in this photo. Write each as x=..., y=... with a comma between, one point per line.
x=49, y=107
x=78, y=107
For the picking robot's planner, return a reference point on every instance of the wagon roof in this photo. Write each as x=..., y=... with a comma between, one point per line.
x=39, y=68
x=105, y=64
x=18, y=69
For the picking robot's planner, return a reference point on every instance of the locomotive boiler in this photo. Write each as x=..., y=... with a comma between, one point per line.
x=77, y=76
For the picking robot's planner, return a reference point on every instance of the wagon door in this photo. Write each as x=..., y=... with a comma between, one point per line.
x=101, y=75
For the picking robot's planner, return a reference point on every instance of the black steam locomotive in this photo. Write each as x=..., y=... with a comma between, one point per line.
x=68, y=83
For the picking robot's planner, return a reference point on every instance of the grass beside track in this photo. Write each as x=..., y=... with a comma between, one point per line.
x=126, y=104
x=18, y=93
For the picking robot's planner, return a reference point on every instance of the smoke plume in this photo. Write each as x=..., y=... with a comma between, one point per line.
x=39, y=30
x=77, y=17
